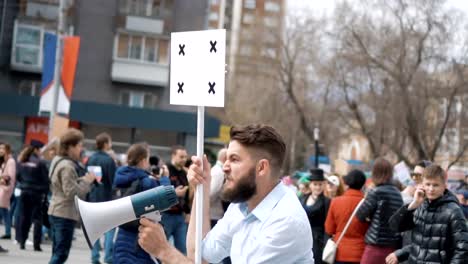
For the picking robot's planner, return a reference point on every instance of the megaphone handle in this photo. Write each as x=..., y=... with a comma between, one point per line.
x=155, y=217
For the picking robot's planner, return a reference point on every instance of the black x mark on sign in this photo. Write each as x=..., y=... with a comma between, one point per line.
x=212, y=85
x=181, y=49
x=180, y=90
x=213, y=46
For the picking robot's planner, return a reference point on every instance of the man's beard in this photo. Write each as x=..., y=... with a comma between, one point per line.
x=244, y=189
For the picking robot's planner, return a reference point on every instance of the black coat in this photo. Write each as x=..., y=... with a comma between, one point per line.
x=102, y=192
x=379, y=205
x=440, y=232
x=33, y=175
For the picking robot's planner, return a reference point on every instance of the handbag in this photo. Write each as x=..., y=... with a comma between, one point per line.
x=329, y=252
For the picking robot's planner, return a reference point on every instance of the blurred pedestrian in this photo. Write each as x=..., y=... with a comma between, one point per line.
x=334, y=187
x=7, y=185
x=65, y=185
x=33, y=177
x=351, y=246
x=380, y=203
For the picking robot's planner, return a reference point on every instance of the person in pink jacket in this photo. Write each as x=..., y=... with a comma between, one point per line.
x=7, y=185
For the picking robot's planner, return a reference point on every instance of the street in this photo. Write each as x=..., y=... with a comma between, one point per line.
x=79, y=252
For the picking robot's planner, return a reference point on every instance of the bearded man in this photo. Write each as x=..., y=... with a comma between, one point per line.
x=265, y=222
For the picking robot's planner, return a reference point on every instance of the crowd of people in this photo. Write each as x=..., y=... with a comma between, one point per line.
x=252, y=213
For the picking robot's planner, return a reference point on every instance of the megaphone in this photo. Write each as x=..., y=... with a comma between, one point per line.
x=98, y=218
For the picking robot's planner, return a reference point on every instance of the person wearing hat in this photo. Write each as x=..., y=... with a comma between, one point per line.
x=351, y=246
x=334, y=187
x=303, y=185
x=34, y=184
x=316, y=205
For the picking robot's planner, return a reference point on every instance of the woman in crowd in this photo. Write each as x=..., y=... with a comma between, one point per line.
x=380, y=203
x=316, y=206
x=34, y=184
x=126, y=249
x=334, y=187
x=65, y=185
x=351, y=246
x=7, y=185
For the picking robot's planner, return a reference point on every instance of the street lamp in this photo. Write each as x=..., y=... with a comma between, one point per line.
x=316, y=141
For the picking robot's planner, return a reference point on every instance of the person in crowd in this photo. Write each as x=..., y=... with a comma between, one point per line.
x=33, y=177
x=416, y=179
x=351, y=246
x=334, y=187
x=65, y=185
x=265, y=222
x=175, y=219
x=217, y=180
x=7, y=185
x=380, y=203
x=303, y=187
x=462, y=196
x=102, y=191
x=126, y=249
x=316, y=206
x=440, y=232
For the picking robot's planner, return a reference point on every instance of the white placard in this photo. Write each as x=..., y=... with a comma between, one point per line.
x=198, y=68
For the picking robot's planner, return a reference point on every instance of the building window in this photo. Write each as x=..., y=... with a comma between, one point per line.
x=146, y=7
x=142, y=48
x=272, y=6
x=250, y=4
x=28, y=45
x=138, y=99
x=248, y=18
x=269, y=52
x=213, y=16
x=271, y=21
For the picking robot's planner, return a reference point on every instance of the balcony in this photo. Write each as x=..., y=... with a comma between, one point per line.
x=140, y=59
x=150, y=16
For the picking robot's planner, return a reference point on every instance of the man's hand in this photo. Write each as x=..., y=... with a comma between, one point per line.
x=418, y=198
x=152, y=238
x=195, y=174
x=181, y=190
x=391, y=259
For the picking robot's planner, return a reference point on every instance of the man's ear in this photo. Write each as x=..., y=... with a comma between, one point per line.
x=263, y=167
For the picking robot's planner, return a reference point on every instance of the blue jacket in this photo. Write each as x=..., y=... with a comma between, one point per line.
x=126, y=248
x=102, y=192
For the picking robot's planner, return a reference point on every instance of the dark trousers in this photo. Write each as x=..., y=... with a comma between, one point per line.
x=31, y=211
x=62, y=236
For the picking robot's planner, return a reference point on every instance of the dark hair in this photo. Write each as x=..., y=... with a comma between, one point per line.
x=382, y=172
x=175, y=148
x=70, y=138
x=137, y=153
x=424, y=163
x=101, y=140
x=355, y=179
x=263, y=138
x=26, y=153
x=434, y=172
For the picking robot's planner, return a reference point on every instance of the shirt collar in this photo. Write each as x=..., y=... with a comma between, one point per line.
x=264, y=208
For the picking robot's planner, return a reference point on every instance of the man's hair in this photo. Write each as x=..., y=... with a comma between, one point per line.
x=101, y=140
x=434, y=171
x=136, y=153
x=175, y=148
x=262, y=138
x=382, y=172
x=70, y=138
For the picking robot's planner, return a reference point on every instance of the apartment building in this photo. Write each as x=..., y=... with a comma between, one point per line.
x=122, y=76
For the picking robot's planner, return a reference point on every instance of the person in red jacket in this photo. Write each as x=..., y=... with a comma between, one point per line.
x=352, y=245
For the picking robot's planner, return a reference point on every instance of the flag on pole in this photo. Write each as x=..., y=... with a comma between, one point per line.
x=70, y=58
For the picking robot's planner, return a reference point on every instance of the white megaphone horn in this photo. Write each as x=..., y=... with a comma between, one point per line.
x=98, y=218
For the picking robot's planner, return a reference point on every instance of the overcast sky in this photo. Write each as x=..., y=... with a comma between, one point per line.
x=327, y=5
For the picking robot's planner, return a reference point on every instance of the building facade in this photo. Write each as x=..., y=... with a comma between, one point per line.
x=122, y=76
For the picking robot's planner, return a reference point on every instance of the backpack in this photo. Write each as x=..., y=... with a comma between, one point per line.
x=134, y=188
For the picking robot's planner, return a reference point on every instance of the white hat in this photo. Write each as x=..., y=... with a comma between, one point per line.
x=333, y=180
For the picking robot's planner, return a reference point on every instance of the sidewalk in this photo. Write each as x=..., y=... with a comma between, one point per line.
x=79, y=253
